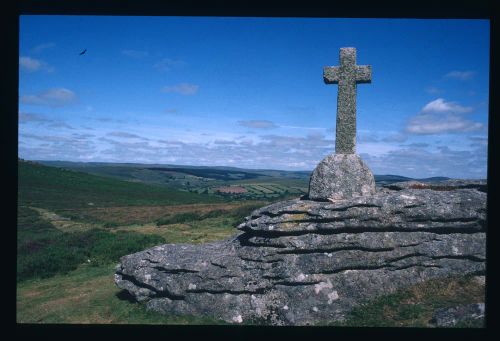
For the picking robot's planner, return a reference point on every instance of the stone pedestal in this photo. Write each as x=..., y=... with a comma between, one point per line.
x=341, y=176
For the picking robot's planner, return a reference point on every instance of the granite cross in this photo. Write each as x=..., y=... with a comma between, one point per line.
x=347, y=75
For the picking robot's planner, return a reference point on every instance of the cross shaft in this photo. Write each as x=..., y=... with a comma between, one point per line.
x=347, y=76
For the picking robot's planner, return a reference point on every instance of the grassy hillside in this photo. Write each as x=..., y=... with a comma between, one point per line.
x=200, y=180
x=43, y=250
x=226, y=183
x=51, y=187
x=67, y=218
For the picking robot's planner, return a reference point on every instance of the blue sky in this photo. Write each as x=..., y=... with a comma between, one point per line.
x=249, y=92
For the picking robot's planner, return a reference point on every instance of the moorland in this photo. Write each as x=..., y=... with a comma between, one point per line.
x=75, y=220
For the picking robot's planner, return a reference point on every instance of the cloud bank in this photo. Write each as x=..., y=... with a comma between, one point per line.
x=440, y=116
x=460, y=75
x=28, y=64
x=52, y=97
x=258, y=124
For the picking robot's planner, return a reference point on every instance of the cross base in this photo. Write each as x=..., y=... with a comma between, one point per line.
x=341, y=176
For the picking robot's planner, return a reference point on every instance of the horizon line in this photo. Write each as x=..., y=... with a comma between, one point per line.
x=208, y=166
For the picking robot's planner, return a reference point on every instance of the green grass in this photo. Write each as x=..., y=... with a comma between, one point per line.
x=204, y=231
x=87, y=295
x=236, y=214
x=414, y=306
x=56, y=284
x=56, y=188
x=43, y=251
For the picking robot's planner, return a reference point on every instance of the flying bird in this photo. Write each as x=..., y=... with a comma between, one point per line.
x=83, y=52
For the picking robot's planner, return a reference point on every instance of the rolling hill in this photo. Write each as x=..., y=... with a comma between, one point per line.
x=175, y=175
x=52, y=187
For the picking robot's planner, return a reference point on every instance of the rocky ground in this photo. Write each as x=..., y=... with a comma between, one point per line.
x=302, y=262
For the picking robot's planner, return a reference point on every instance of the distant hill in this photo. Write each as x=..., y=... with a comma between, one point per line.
x=211, y=173
x=52, y=187
x=254, y=184
x=391, y=178
x=388, y=179
x=177, y=176
x=434, y=178
x=126, y=170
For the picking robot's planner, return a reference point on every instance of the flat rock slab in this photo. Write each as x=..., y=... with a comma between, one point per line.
x=404, y=210
x=341, y=176
x=303, y=262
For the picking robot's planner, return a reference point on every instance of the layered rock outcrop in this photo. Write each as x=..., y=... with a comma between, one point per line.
x=302, y=262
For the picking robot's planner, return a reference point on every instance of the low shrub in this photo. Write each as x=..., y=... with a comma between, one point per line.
x=243, y=211
x=43, y=251
x=179, y=218
x=237, y=213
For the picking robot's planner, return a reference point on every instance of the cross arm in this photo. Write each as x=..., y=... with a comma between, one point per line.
x=364, y=74
x=331, y=74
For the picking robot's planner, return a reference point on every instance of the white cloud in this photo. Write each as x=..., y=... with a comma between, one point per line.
x=52, y=97
x=258, y=124
x=460, y=75
x=416, y=145
x=29, y=64
x=433, y=124
x=439, y=116
x=182, y=88
x=56, y=147
x=398, y=137
x=125, y=135
x=135, y=53
x=269, y=151
x=441, y=106
x=60, y=124
x=225, y=142
x=306, y=128
x=25, y=117
x=364, y=137
x=419, y=162
x=80, y=136
x=166, y=64
x=265, y=151
x=478, y=141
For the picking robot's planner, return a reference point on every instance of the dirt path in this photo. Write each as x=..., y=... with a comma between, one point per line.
x=201, y=232
x=62, y=223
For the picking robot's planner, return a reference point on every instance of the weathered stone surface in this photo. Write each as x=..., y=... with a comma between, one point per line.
x=406, y=210
x=301, y=262
x=341, y=176
x=449, y=317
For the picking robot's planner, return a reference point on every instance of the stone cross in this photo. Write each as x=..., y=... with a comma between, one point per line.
x=347, y=75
